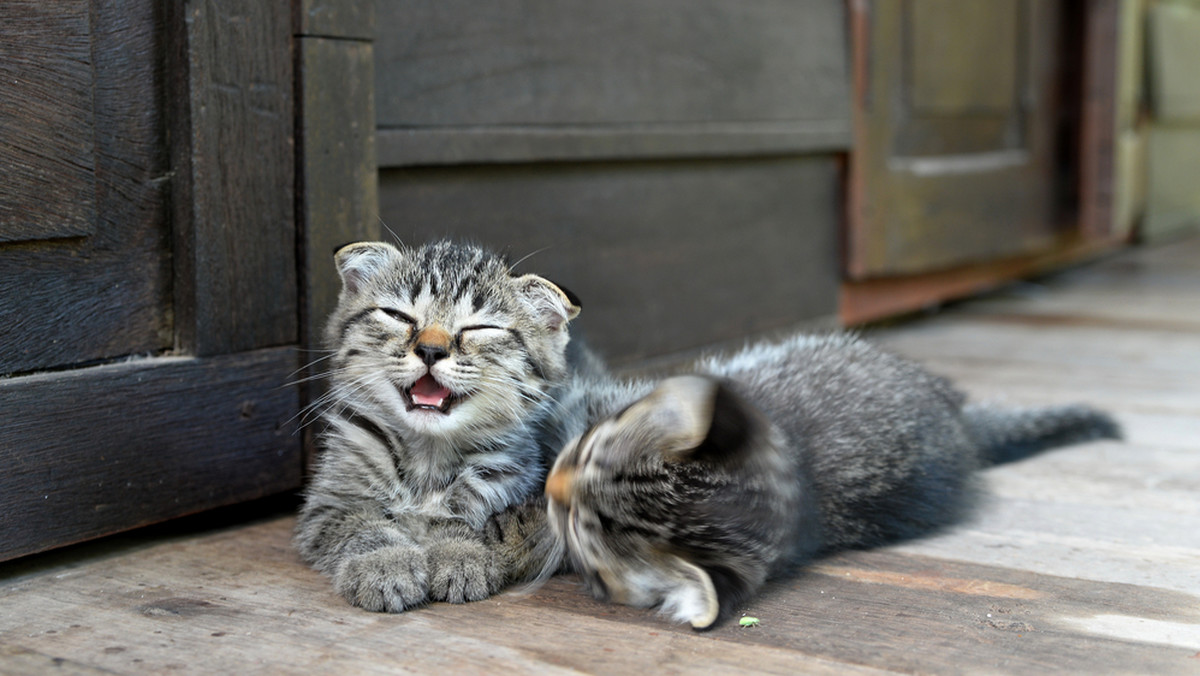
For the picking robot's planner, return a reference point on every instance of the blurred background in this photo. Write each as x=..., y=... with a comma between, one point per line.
x=175, y=176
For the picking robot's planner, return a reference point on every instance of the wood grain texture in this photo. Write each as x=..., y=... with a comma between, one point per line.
x=71, y=301
x=1098, y=134
x=78, y=468
x=666, y=256
x=47, y=121
x=235, y=231
x=470, y=145
x=345, y=19
x=1081, y=560
x=956, y=182
x=338, y=179
x=878, y=299
x=527, y=81
x=339, y=176
x=582, y=62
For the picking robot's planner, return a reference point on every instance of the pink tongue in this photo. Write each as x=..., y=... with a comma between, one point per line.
x=427, y=392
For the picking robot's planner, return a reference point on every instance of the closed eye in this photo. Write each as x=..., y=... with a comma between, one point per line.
x=398, y=315
x=480, y=331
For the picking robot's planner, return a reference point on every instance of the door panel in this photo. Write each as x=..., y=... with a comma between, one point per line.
x=145, y=340
x=955, y=155
x=46, y=121
x=88, y=191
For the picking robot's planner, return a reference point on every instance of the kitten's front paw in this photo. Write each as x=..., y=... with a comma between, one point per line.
x=463, y=570
x=390, y=579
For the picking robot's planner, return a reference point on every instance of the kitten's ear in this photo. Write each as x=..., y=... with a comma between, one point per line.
x=679, y=412
x=700, y=418
x=554, y=304
x=693, y=598
x=359, y=262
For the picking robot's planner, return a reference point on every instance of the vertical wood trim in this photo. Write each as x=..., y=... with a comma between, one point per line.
x=1097, y=157
x=350, y=19
x=337, y=169
x=232, y=157
x=854, y=240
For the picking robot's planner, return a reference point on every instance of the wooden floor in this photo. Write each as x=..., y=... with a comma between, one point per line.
x=1083, y=560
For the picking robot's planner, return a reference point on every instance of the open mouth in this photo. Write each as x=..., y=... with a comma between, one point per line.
x=427, y=394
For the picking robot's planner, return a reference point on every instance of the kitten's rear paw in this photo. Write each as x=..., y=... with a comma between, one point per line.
x=463, y=570
x=390, y=579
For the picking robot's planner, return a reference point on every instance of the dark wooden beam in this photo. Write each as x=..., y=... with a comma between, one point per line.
x=201, y=433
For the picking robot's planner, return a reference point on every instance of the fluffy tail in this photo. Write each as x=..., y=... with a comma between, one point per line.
x=1008, y=434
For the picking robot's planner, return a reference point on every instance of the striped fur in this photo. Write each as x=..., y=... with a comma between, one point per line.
x=692, y=496
x=445, y=367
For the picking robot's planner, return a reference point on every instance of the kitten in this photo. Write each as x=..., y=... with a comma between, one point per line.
x=696, y=493
x=446, y=367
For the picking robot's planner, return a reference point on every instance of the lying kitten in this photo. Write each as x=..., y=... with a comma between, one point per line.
x=446, y=367
x=695, y=494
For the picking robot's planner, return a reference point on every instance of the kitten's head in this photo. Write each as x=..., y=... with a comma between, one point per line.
x=682, y=500
x=445, y=340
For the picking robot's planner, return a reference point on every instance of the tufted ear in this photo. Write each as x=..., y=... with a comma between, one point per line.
x=552, y=303
x=677, y=414
x=692, y=597
x=360, y=262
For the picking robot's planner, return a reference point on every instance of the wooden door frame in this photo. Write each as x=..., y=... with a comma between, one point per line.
x=868, y=300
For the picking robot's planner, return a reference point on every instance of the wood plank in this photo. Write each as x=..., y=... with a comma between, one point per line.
x=47, y=121
x=869, y=300
x=619, y=62
x=339, y=179
x=429, y=146
x=1097, y=140
x=246, y=600
x=232, y=119
x=70, y=301
x=855, y=613
x=647, y=246
x=92, y=477
x=338, y=182
x=345, y=19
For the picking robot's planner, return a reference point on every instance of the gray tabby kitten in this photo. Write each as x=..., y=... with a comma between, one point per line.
x=695, y=494
x=446, y=368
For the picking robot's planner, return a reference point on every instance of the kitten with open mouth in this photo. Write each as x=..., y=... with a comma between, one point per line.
x=446, y=371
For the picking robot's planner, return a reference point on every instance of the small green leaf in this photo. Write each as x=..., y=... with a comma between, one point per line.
x=748, y=621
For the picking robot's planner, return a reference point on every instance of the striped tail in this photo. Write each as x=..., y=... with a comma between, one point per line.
x=1007, y=434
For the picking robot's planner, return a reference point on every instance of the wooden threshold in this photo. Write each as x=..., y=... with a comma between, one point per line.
x=870, y=300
